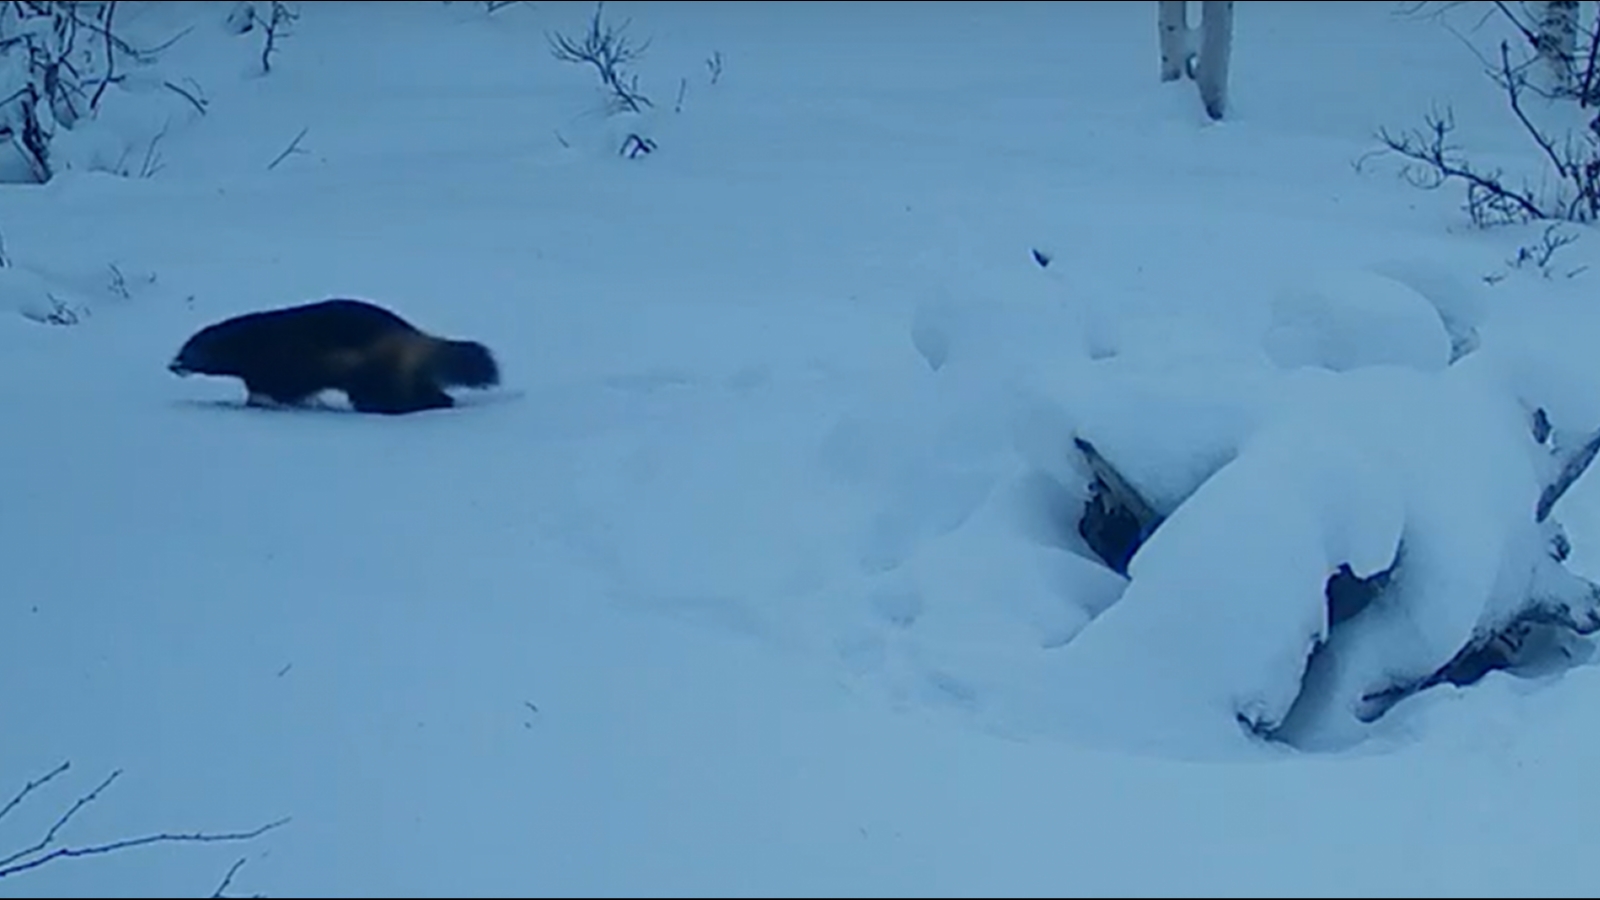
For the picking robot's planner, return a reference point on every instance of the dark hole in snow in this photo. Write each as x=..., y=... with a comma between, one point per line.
x=1116, y=520
x=1110, y=530
x=1348, y=593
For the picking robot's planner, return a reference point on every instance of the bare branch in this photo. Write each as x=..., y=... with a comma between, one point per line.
x=194, y=837
x=1527, y=32
x=40, y=853
x=1514, y=84
x=152, y=156
x=275, y=27
x=1541, y=254
x=227, y=879
x=32, y=786
x=1488, y=199
x=191, y=96
x=609, y=51
x=111, y=58
x=636, y=145
x=1412, y=10
x=64, y=73
x=60, y=823
x=292, y=149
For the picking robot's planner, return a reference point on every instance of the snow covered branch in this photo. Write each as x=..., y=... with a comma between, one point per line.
x=1571, y=470
x=62, y=57
x=45, y=850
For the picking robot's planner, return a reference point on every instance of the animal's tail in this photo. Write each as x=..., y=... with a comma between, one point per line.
x=464, y=364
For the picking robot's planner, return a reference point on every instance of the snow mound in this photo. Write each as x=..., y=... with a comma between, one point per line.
x=22, y=290
x=1462, y=305
x=1167, y=429
x=1345, y=320
x=994, y=334
x=1431, y=474
x=25, y=290
x=124, y=135
x=973, y=619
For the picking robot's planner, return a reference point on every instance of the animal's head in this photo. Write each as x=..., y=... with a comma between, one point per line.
x=214, y=350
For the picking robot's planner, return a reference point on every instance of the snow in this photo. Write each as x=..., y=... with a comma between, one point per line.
x=1347, y=320
x=761, y=572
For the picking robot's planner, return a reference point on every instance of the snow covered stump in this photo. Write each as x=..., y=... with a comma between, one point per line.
x=1374, y=538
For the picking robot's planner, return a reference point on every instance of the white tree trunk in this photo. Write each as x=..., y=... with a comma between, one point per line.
x=1557, y=41
x=1173, y=25
x=1216, y=46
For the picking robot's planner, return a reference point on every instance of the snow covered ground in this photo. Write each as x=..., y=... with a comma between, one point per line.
x=759, y=575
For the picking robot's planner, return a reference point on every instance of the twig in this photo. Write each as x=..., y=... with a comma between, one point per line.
x=636, y=145
x=50, y=836
x=227, y=880
x=199, y=104
x=35, y=855
x=152, y=162
x=1587, y=85
x=609, y=51
x=1542, y=253
x=111, y=58
x=293, y=148
x=1485, y=193
x=1513, y=85
x=1527, y=33
x=139, y=55
x=194, y=837
x=32, y=786
x=279, y=17
x=119, y=282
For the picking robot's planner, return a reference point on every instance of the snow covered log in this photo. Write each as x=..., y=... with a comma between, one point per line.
x=1383, y=520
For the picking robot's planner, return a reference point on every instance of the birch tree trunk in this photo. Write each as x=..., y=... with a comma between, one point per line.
x=1173, y=25
x=1216, y=46
x=1556, y=39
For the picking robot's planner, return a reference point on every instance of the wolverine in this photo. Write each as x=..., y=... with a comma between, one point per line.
x=381, y=362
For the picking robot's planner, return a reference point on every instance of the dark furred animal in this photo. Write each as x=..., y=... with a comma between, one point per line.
x=380, y=361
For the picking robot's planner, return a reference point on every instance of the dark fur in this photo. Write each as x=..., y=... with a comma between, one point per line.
x=380, y=361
